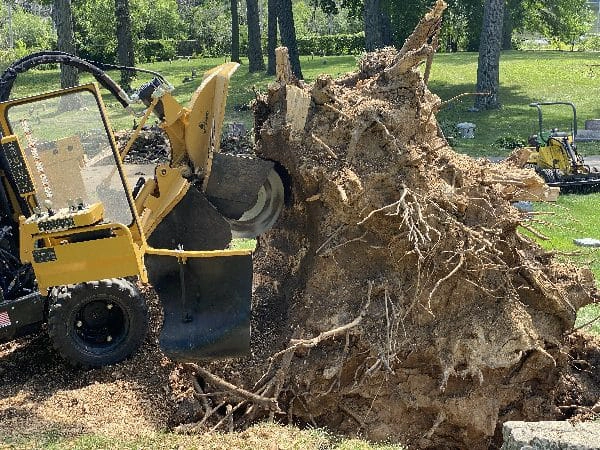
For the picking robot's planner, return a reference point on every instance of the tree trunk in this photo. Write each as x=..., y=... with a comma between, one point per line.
x=507, y=30
x=488, y=67
x=125, y=53
x=377, y=26
x=235, y=32
x=287, y=30
x=271, y=35
x=256, y=62
x=63, y=20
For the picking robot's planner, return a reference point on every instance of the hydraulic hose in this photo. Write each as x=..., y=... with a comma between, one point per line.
x=54, y=57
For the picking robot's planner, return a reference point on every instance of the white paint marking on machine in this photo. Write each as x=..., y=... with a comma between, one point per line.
x=4, y=319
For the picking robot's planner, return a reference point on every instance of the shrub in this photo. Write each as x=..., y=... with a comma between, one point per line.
x=156, y=49
x=590, y=44
x=335, y=44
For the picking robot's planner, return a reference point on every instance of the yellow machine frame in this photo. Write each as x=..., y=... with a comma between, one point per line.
x=63, y=256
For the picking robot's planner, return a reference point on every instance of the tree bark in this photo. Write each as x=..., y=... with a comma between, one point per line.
x=377, y=26
x=287, y=31
x=271, y=35
x=256, y=62
x=507, y=30
x=235, y=32
x=488, y=66
x=125, y=54
x=63, y=21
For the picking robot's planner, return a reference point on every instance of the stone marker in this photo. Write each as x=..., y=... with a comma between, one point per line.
x=551, y=436
x=587, y=242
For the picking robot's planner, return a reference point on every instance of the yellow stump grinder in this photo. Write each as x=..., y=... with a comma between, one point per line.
x=74, y=237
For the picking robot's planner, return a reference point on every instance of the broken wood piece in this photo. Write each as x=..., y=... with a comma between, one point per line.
x=283, y=67
x=324, y=146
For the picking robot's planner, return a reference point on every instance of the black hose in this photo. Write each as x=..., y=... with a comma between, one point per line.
x=54, y=57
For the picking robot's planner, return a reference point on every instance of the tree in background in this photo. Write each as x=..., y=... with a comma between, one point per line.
x=271, y=35
x=26, y=30
x=287, y=31
x=235, y=32
x=488, y=65
x=376, y=25
x=156, y=24
x=558, y=20
x=63, y=20
x=324, y=17
x=125, y=53
x=256, y=62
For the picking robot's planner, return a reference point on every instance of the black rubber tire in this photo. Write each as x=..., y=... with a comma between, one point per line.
x=97, y=323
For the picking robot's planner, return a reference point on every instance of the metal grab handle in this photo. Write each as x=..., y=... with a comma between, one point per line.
x=539, y=105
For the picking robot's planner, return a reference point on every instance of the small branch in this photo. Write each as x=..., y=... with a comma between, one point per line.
x=269, y=403
x=324, y=146
x=587, y=324
x=535, y=232
x=309, y=343
x=228, y=415
x=328, y=240
x=464, y=94
x=335, y=110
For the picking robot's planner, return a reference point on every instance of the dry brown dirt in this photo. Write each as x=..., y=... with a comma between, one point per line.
x=395, y=299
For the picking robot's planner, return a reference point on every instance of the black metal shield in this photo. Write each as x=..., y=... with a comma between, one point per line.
x=206, y=303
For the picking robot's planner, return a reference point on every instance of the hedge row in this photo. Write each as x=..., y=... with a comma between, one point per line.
x=334, y=44
x=149, y=50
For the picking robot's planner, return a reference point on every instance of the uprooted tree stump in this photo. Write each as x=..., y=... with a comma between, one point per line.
x=395, y=298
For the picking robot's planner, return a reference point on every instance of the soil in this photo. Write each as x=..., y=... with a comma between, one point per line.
x=395, y=299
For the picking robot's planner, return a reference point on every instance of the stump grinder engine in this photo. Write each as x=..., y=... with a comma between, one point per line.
x=74, y=237
x=554, y=156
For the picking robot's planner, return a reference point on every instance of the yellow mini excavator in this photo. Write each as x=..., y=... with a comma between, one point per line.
x=555, y=158
x=74, y=237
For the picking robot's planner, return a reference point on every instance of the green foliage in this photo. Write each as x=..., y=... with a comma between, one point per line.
x=455, y=30
x=152, y=20
x=30, y=33
x=210, y=25
x=311, y=19
x=405, y=14
x=151, y=50
x=561, y=21
x=509, y=142
x=589, y=44
x=337, y=44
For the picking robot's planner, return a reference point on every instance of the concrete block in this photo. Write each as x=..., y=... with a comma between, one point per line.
x=551, y=436
x=592, y=124
x=587, y=135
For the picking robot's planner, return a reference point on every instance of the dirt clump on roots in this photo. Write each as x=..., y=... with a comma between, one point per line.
x=396, y=297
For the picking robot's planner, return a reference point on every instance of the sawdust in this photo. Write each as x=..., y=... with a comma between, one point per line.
x=41, y=393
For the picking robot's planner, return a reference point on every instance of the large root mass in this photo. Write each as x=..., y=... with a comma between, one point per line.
x=396, y=297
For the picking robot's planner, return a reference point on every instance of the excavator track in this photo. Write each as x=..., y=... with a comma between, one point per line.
x=585, y=183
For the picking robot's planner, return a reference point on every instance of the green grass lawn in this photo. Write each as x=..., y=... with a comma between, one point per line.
x=259, y=436
x=525, y=77
x=573, y=217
